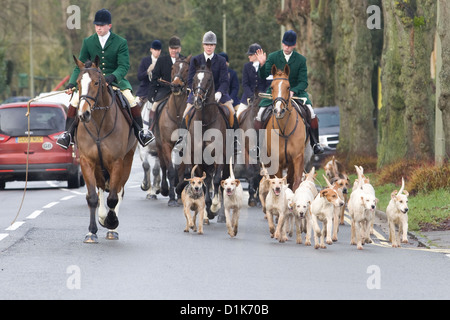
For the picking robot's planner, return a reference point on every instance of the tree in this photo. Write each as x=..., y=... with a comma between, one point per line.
x=443, y=80
x=407, y=115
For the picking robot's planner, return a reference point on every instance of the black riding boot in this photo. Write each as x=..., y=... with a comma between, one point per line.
x=314, y=140
x=179, y=145
x=144, y=136
x=65, y=138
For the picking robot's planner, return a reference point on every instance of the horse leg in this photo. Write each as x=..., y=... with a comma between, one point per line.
x=164, y=184
x=156, y=185
x=91, y=198
x=166, y=150
x=145, y=185
x=298, y=171
x=208, y=201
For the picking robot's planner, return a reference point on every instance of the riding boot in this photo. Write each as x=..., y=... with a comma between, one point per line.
x=314, y=140
x=65, y=138
x=151, y=121
x=144, y=136
x=181, y=142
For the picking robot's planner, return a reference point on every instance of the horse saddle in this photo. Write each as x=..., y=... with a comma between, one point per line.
x=223, y=110
x=301, y=109
x=123, y=103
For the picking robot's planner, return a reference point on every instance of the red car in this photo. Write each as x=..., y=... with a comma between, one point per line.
x=46, y=160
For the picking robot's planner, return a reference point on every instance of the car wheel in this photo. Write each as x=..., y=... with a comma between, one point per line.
x=74, y=180
x=2, y=185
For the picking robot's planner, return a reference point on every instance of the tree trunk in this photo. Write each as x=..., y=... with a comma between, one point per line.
x=443, y=78
x=407, y=116
x=353, y=78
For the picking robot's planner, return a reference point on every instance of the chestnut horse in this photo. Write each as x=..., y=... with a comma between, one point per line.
x=290, y=130
x=167, y=126
x=106, y=144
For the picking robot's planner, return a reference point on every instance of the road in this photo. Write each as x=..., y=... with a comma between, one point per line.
x=42, y=256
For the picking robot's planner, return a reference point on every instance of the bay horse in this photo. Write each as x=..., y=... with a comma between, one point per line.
x=290, y=130
x=106, y=144
x=206, y=121
x=250, y=169
x=167, y=126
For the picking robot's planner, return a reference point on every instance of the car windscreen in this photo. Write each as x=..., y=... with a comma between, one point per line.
x=43, y=121
x=329, y=119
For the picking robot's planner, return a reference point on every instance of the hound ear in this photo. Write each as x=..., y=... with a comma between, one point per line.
x=78, y=63
x=323, y=193
x=204, y=175
x=238, y=182
x=394, y=194
x=222, y=183
x=406, y=193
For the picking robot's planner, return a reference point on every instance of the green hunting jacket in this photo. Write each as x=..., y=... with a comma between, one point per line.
x=298, y=76
x=114, y=58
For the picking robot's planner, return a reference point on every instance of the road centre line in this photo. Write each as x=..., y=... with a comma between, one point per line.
x=51, y=204
x=3, y=236
x=15, y=226
x=35, y=214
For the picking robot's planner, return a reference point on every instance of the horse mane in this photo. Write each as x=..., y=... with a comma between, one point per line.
x=88, y=64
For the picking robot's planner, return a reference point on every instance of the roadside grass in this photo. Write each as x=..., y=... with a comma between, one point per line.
x=426, y=210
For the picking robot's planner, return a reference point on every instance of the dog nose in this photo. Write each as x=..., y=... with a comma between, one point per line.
x=406, y=210
x=373, y=207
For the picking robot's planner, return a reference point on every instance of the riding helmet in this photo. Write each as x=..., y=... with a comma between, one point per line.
x=290, y=38
x=253, y=48
x=102, y=17
x=210, y=38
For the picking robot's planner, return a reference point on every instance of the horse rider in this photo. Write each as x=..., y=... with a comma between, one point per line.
x=221, y=83
x=233, y=80
x=114, y=64
x=298, y=79
x=158, y=92
x=145, y=69
x=251, y=81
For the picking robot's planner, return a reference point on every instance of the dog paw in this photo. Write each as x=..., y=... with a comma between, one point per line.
x=359, y=247
x=308, y=243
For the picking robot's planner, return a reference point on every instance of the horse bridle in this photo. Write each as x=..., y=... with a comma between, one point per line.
x=183, y=86
x=87, y=97
x=281, y=99
x=202, y=97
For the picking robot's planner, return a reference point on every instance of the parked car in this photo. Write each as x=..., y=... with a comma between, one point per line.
x=47, y=161
x=329, y=125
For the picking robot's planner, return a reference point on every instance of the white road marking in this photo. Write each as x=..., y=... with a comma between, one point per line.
x=35, y=214
x=15, y=226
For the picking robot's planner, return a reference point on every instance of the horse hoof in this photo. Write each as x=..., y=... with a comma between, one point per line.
x=145, y=187
x=91, y=238
x=173, y=203
x=252, y=203
x=112, y=235
x=151, y=197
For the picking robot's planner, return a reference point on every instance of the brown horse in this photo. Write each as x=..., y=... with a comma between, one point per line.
x=206, y=141
x=249, y=169
x=290, y=130
x=168, y=124
x=106, y=144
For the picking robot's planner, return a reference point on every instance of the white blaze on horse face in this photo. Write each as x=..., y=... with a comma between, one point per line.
x=85, y=82
x=200, y=77
x=277, y=105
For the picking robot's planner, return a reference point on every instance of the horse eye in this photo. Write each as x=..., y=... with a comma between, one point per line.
x=96, y=83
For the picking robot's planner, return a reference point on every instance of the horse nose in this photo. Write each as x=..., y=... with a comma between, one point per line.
x=85, y=116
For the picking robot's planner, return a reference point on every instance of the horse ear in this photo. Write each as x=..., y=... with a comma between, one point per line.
x=78, y=62
x=188, y=59
x=96, y=62
x=196, y=64
x=274, y=69
x=287, y=70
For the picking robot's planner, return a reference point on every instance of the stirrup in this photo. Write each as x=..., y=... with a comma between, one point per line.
x=145, y=137
x=64, y=140
x=318, y=149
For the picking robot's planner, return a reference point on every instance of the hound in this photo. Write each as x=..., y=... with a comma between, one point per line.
x=341, y=186
x=396, y=212
x=232, y=200
x=193, y=199
x=322, y=209
x=361, y=206
x=334, y=170
x=276, y=205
